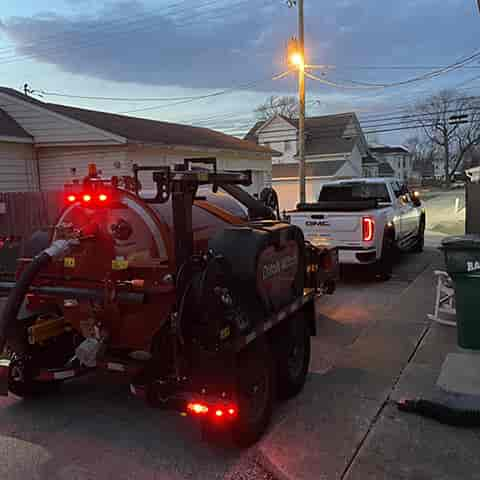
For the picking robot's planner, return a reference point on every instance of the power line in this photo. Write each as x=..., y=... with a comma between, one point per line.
x=117, y=22
x=79, y=46
x=398, y=67
x=117, y=99
x=432, y=74
x=202, y=97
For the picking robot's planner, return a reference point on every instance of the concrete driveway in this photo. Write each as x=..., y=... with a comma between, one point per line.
x=94, y=429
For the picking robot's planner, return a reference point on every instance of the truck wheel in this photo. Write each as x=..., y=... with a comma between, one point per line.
x=255, y=393
x=21, y=383
x=420, y=240
x=292, y=349
x=384, y=266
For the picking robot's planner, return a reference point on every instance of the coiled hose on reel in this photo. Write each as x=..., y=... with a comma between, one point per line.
x=22, y=286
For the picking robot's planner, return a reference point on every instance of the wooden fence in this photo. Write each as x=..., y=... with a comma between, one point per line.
x=22, y=214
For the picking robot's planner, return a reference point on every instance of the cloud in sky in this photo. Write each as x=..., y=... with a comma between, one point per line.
x=234, y=42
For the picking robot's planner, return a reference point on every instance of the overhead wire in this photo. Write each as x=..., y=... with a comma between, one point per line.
x=53, y=51
x=96, y=25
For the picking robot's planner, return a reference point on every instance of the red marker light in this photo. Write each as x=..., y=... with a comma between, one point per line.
x=102, y=197
x=232, y=411
x=197, y=408
x=87, y=198
x=219, y=413
x=368, y=229
x=71, y=198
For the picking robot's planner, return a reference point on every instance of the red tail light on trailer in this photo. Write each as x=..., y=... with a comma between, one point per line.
x=87, y=198
x=368, y=229
x=103, y=198
x=71, y=198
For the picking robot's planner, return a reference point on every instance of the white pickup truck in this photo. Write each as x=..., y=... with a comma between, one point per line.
x=366, y=218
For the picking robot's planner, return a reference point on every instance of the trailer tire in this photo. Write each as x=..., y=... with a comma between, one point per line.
x=292, y=354
x=255, y=393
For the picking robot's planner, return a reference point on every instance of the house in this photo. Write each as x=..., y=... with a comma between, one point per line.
x=335, y=148
x=44, y=145
x=397, y=157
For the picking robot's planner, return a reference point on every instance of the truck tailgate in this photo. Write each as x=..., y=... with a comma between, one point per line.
x=338, y=226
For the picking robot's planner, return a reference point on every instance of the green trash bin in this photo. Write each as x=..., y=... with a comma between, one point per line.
x=462, y=257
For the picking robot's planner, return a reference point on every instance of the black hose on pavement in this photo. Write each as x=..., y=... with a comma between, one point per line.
x=455, y=417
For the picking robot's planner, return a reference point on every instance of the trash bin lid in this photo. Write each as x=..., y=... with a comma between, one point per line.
x=462, y=242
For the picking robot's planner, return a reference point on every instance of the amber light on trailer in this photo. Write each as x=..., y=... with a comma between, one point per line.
x=197, y=408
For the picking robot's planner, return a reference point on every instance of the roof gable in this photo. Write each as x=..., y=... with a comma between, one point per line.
x=48, y=127
x=10, y=128
x=141, y=130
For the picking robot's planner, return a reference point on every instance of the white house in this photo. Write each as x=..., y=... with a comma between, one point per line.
x=335, y=148
x=394, y=161
x=44, y=145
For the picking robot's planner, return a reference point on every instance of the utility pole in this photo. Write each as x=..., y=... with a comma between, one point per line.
x=301, y=101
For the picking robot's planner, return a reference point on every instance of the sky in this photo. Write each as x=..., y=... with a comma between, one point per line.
x=167, y=53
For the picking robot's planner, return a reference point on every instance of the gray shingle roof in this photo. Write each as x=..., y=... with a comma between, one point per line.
x=313, y=169
x=324, y=134
x=385, y=149
x=10, y=128
x=147, y=131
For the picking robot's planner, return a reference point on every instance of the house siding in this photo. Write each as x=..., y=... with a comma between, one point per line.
x=56, y=164
x=47, y=127
x=282, y=137
x=17, y=168
x=288, y=192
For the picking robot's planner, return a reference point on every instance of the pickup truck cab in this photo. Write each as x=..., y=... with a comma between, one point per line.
x=366, y=218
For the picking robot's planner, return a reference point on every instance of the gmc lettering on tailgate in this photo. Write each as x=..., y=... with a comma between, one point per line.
x=317, y=223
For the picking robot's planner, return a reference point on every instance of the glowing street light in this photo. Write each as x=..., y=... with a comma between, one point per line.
x=296, y=59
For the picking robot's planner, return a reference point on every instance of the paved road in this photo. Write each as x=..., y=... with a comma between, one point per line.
x=97, y=430
x=446, y=212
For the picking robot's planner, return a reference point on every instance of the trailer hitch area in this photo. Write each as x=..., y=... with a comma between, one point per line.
x=4, y=375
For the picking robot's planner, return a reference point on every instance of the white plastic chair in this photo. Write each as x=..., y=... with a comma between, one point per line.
x=444, y=299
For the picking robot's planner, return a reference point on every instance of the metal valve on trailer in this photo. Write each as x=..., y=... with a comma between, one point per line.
x=182, y=280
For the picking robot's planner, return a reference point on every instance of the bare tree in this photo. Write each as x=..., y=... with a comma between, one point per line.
x=451, y=123
x=422, y=153
x=286, y=106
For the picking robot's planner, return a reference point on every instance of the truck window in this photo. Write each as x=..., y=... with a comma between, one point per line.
x=351, y=192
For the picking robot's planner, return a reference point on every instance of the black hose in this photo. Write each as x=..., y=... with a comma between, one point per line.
x=455, y=417
x=17, y=295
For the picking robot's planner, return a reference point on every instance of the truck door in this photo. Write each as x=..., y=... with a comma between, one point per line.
x=401, y=224
x=412, y=215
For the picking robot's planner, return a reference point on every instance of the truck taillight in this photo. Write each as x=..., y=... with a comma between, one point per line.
x=368, y=229
x=71, y=198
